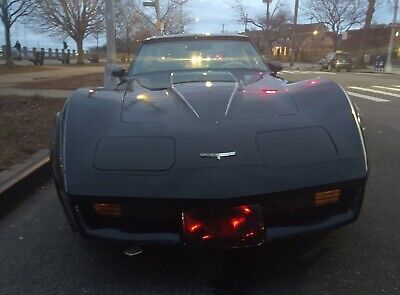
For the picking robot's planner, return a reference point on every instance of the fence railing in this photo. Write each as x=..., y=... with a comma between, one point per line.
x=48, y=53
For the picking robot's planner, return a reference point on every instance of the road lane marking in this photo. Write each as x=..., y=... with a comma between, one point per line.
x=373, y=98
x=387, y=88
x=375, y=91
x=328, y=73
x=308, y=72
x=296, y=72
x=369, y=74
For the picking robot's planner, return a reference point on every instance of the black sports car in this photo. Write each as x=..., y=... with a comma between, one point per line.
x=201, y=144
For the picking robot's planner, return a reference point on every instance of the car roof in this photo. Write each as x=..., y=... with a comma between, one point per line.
x=188, y=37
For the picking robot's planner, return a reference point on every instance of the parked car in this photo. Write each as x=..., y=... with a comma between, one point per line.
x=201, y=144
x=336, y=60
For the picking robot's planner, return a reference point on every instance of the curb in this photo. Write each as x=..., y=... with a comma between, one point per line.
x=21, y=179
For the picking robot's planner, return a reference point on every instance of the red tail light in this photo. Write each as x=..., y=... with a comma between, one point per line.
x=270, y=91
x=230, y=227
x=236, y=222
x=312, y=82
x=195, y=227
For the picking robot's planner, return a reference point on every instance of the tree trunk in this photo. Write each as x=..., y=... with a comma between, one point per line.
x=335, y=41
x=9, y=58
x=79, y=45
x=367, y=25
x=370, y=14
x=128, y=47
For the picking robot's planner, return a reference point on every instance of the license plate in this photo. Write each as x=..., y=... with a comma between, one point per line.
x=227, y=227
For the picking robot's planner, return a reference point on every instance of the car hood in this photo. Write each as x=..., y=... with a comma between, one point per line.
x=148, y=142
x=212, y=98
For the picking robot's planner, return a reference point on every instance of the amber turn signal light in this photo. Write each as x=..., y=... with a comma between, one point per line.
x=107, y=209
x=327, y=197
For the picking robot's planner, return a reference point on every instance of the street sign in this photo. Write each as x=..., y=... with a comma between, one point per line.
x=149, y=4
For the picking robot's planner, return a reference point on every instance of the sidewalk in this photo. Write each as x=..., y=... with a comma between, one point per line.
x=395, y=70
x=311, y=66
x=301, y=66
x=56, y=93
x=8, y=80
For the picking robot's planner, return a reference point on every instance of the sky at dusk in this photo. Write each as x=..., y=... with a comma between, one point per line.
x=210, y=15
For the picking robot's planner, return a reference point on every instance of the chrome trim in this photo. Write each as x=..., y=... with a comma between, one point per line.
x=356, y=121
x=217, y=155
x=231, y=98
x=182, y=97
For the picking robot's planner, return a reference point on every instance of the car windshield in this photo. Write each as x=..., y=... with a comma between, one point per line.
x=196, y=54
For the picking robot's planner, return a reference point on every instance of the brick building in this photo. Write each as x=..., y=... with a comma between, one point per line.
x=376, y=43
x=314, y=41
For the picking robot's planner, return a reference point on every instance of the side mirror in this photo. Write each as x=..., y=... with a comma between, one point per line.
x=120, y=73
x=275, y=67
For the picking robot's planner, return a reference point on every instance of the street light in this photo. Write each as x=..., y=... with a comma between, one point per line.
x=315, y=33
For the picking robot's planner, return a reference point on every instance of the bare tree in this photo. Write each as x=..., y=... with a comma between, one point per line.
x=182, y=16
x=178, y=18
x=127, y=23
x=10, y=12
x=369, y=14
x=338, y=15
x=263, y=22
x=272, y=23
x=75, y=18
x=173, y=16
x=367, y=24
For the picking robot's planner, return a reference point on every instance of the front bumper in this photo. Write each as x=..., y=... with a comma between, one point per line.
x=159, y=222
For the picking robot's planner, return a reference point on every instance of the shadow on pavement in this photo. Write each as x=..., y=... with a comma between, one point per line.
x=279, y=268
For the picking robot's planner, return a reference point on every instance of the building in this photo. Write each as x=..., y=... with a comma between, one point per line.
x=376, y=43
x=314, y=41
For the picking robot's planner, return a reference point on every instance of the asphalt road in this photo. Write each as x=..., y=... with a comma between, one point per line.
x=40, y=255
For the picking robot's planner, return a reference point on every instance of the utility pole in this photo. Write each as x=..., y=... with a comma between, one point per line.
x=388, y=67
x=268, y=2
x=157, y=8
x=293, y=33
x=223, y=28
x=182, y=26
x=111, y=51
x=156, y=5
